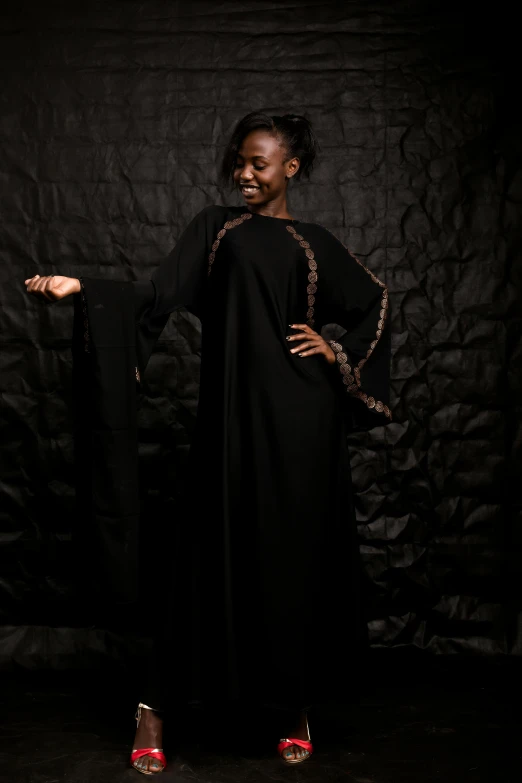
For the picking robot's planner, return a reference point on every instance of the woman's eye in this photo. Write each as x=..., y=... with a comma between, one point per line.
x=239, y=165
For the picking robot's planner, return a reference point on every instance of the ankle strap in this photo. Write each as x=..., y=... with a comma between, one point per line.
x=141, y=707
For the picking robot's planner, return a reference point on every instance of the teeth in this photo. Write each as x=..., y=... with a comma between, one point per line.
x=249, y=188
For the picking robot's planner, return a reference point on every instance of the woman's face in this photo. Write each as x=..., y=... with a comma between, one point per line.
x=262, y=168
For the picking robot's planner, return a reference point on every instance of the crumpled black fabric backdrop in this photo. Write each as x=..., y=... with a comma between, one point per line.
x=113, y=117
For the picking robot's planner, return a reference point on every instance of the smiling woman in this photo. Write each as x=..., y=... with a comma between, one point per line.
x=265, y=577
x=264, y=153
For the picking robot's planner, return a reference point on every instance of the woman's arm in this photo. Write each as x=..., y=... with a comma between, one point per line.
x=177, y=281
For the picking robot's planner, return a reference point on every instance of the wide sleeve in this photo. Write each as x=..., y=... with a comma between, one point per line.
x=354, y=298
x=115, y=327
x=179, y=281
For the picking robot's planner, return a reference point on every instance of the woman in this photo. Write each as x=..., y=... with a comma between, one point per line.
x=264, y=589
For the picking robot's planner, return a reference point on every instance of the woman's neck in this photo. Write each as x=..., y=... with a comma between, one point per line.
x=276, y=208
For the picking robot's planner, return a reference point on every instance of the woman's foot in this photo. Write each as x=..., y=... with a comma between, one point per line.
x=149, y=734
x=294, y=752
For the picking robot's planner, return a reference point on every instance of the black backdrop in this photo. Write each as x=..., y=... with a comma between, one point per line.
x=113, y=118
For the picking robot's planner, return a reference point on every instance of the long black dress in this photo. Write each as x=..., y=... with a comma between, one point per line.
x=263, y=592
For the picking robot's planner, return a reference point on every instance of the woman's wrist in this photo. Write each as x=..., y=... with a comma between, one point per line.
x=330, y=356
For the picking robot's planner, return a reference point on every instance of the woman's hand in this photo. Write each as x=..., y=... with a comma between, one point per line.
x=313, y=343
x=52, y=287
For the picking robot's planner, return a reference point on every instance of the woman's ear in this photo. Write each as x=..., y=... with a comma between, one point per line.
x=292, y=167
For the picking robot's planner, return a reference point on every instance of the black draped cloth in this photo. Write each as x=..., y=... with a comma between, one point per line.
x=263, y=600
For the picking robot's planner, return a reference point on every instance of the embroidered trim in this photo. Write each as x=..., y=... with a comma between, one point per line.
x=352, y=387
x=353, y=381
x=311, y=288
x=86, y=332
x=380, y=323
x=228, y=225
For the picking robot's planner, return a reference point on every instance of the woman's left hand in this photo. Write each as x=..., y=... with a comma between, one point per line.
x=313, y=343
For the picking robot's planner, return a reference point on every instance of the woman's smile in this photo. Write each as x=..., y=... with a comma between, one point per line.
x=249, y=189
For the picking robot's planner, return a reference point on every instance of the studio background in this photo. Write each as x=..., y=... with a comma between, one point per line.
x=113, y=117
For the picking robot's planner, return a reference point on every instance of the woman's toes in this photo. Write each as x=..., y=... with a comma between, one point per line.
x=155, y=766
x=289, y=755
x=143, y=763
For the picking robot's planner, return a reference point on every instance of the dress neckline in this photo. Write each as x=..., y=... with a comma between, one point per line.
x=272, y=217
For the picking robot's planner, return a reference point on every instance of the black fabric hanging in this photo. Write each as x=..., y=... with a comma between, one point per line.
x=106, y=454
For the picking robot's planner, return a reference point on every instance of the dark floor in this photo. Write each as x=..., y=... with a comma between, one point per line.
x=432, y=719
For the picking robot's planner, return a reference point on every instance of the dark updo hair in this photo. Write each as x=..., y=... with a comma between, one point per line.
x=295, y=132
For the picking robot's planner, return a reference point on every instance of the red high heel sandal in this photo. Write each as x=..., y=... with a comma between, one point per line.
x=156, y=753
x=305, y=744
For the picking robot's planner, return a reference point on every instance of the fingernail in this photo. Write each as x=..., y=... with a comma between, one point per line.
x=301, y=354
x=288, y=755
x=154, y=765
x=287, y=338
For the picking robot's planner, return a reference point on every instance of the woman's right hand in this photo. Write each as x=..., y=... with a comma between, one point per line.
x=52, y=287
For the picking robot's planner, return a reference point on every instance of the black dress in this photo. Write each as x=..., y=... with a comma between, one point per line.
x=264, y=602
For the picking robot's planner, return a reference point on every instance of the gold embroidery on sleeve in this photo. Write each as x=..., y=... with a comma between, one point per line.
x=353, y=381
x=311, y=289
x=228, y=225
x=380, y=323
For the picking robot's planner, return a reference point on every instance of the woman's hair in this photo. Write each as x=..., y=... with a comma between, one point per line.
x=296, y=136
